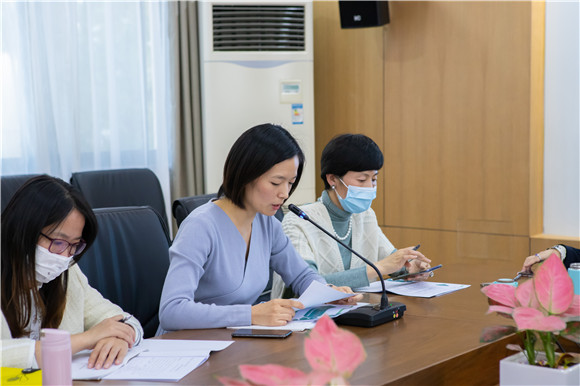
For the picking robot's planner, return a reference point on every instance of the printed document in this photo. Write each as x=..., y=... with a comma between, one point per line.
x=419, y=289
x=316, y=295
x=152, y=360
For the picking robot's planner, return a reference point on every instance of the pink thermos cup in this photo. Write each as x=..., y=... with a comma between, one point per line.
x=56, y=357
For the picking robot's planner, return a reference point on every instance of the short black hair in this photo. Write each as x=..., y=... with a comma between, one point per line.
x=349, y=152
x=256, y=151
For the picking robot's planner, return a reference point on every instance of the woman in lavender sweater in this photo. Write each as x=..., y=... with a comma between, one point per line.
x=222, y=253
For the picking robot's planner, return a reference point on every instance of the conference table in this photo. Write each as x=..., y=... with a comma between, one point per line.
x=436, y=342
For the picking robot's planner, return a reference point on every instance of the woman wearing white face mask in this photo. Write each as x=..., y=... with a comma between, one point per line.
x=349, y=168
x=46, y=227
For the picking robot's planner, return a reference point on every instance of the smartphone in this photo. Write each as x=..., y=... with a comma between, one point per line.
x=416, y=273
x=252, y=333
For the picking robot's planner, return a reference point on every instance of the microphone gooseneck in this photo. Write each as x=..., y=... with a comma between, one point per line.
x=300, y=213
x=365, y=316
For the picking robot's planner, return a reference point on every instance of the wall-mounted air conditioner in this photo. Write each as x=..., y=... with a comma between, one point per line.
x=256, y=67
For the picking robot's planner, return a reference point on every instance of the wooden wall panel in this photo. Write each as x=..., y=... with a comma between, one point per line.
x=537, y=119
x=444, y=247
x=348, y=83
x=459, y=113
x=457, y=116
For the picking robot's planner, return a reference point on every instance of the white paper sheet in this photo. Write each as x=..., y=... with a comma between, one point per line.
x=420, y=289
x=153, y=360
x=163, y=368
x=81, y=359
x=306, y=319
x=318, y=293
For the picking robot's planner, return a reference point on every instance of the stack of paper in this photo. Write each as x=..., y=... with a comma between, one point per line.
x=152, y=360
x=313, y=299
x=420, y=289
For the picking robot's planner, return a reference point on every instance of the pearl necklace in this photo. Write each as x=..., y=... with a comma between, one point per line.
x=347, y=232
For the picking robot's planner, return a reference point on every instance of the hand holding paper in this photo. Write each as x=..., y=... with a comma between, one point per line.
x=318, y=293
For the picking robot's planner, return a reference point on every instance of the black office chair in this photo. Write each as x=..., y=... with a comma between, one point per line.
x=9, y=186
x=121, y=187
x=128, y=262
x=182, y=207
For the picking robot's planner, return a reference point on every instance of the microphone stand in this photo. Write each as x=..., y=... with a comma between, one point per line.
x=366, y=316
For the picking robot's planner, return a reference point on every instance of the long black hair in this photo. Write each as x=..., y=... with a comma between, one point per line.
x=255, y=152
x=41, y=201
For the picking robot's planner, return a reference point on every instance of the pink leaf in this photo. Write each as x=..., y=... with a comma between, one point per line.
x=574, y=310
x=531, y=319
x=323, y=378
x=493, y=333
x=500, y=309
x=553, y=285
x=501, y=293
x=526, y=295
x=273, y=375
x=333, y=350
x=514, y=347
x=232, y=382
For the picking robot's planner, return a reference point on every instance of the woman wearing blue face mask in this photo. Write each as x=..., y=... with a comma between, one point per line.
x=349, y=167
x=46, y=228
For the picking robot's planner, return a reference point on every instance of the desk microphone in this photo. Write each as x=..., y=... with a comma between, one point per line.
x=366, y=316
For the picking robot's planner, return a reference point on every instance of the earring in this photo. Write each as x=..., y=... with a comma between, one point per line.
x=332, y=187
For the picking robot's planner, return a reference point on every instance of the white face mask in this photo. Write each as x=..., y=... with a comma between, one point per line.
x=50, y=265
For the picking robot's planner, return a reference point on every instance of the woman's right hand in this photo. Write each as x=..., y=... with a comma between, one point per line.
x=396, y=261
x=538, y=258
x=110, y=327
x=277, y=312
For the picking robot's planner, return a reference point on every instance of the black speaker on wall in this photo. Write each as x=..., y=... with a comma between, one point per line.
x=359, y=14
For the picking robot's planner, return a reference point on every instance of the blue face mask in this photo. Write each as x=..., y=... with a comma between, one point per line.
x=358, y=199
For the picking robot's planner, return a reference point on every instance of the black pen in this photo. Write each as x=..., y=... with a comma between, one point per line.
x=414, y=248
x=125, y=318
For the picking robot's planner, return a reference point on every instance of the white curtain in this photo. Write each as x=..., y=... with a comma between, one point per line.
x=86, y=86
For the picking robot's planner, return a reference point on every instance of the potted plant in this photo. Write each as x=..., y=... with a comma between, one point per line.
x=542, y=308
x=332, y=352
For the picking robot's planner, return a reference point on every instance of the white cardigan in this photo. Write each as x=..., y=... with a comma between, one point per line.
x=312, y=244
x=85, y=308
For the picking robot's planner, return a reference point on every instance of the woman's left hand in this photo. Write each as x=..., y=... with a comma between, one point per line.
x=349, y=301
x=108, y=351
x=418, y=266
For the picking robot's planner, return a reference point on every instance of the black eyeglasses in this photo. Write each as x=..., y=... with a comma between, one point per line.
x=59, y=246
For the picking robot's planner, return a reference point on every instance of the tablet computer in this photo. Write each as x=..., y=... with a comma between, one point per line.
x=407, y=275
x=256, y=333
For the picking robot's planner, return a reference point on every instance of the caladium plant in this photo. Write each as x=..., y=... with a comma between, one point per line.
x=333, y=354
x=542, y=307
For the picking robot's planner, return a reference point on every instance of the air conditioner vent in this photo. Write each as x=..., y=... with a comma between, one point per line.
x=258, y=28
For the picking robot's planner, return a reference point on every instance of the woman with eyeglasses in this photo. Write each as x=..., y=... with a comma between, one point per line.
x=46, y=228
x=350, y=164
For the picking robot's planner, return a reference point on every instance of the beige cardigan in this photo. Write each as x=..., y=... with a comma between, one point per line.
x=312, y=244
x=85, y=308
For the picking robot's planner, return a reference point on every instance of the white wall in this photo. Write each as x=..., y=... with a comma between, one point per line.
x=561, y=120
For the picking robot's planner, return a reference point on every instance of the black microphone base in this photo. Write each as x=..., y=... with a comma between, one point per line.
x=369, y=316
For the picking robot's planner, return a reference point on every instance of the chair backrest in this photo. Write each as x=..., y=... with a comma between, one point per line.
x=128, y=262
x=182, y=207
x=185, y=205
x=9, y=186
x=121, y=187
